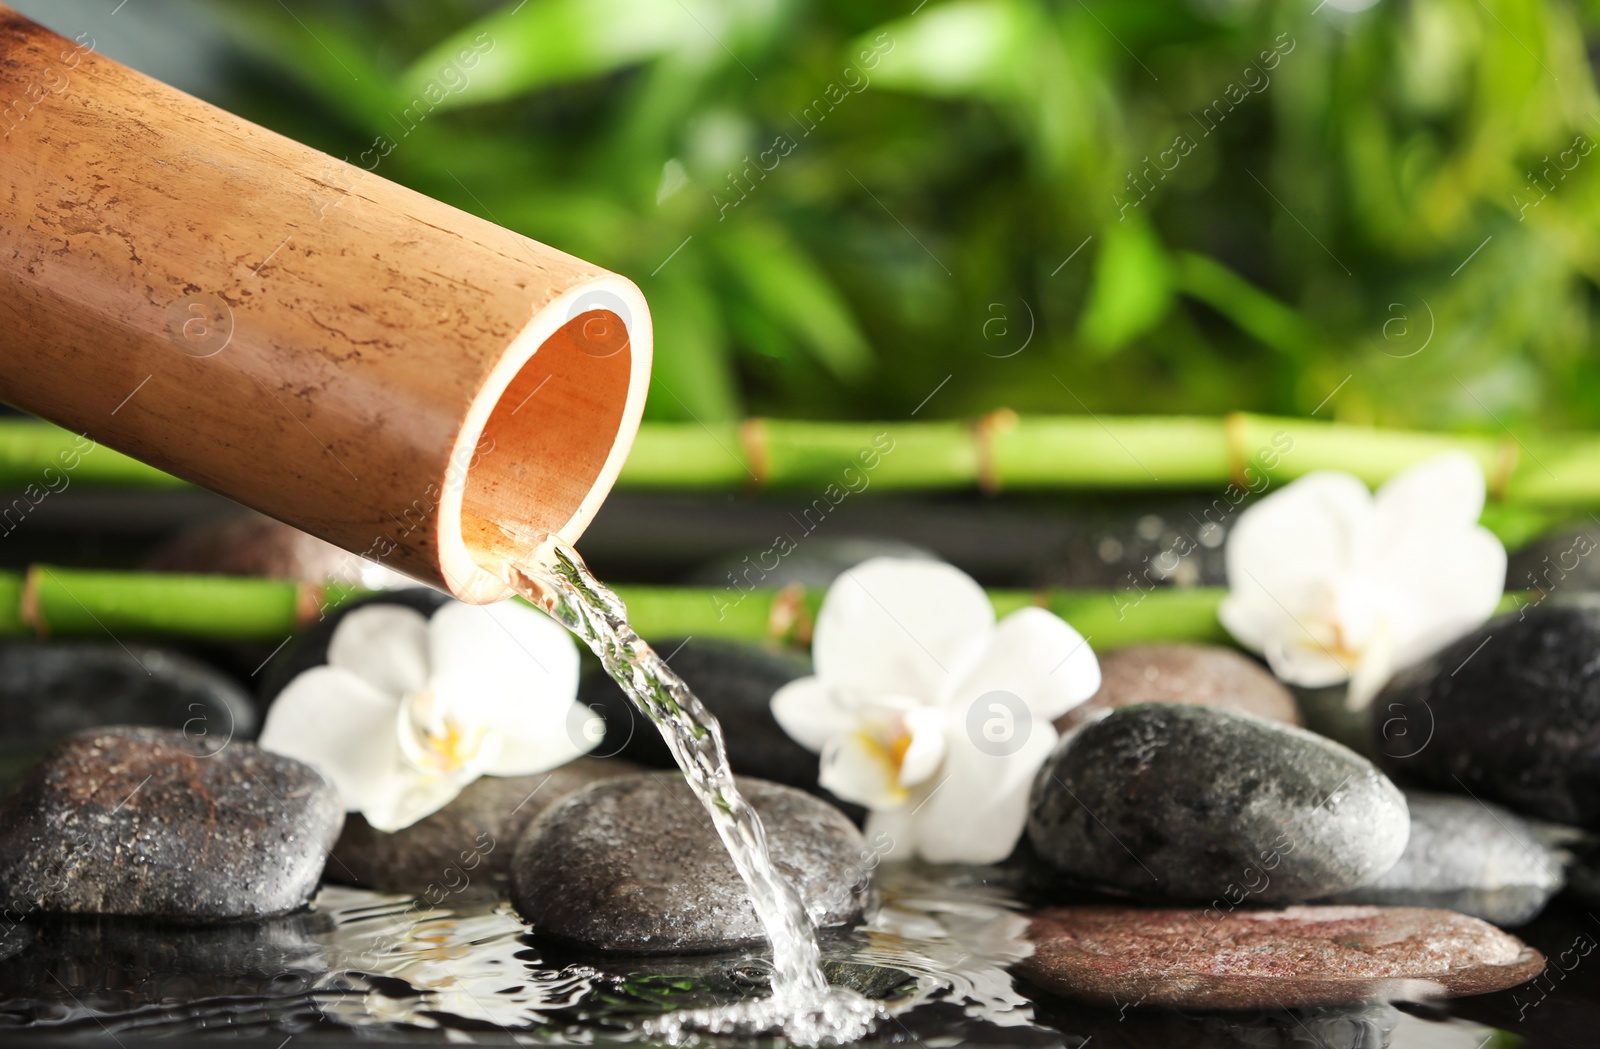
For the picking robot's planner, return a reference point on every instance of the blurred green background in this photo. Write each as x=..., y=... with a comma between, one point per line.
x=833, y=207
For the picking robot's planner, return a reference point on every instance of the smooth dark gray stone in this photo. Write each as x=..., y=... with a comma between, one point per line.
x=1510, y=713
x=467, y=845
x=1185, y=802
x=1467, y=856
x=51, y=689
x=141, y=821
x=634, y=865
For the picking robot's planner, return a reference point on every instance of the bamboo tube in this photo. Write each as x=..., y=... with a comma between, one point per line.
x=352, y=357
x=1017, y=453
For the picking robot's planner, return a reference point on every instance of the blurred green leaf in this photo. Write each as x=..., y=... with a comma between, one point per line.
x=784, y=283
x=1132, y=288
x=1254, y=311
x=1414, y=154
x=690, y=378
x=526, y=46
x=954, y=49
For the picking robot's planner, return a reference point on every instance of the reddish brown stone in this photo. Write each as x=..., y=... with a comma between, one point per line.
x=1208, y=675
x=1270, y=959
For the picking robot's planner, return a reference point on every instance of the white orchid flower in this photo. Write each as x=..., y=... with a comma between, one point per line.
x=929, y=713
x=411, y=709
x=1332, y=583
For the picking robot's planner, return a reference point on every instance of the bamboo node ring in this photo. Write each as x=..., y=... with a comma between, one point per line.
x=984, y=432
x=1505, y=464
x=1235, y=435
x=757, y=451
x=789, y=619
x=29, y=609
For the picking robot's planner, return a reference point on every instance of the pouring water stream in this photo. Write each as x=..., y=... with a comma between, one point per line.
x=802, y=1005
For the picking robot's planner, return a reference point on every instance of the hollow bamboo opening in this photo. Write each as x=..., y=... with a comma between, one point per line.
x=544, y=449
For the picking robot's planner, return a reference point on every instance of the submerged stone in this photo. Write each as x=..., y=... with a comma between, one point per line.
x=1183, y=802
x=1510, y=713
x=634, y=865
x=465, y=846
x=51, y=689
x=1471, y=857
x=140, y=821
x=735, y=683
x=1125, y=957
x=1209, y=675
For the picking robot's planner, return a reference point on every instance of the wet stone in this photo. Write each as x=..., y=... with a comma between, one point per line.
x=465, y=846
x=141, y=821
x=1184, y=802
x=1511, y=713
x=1209, y=675
x=1471, y=857
x=634, y=865
x=1368, y=1025
x=1298, y=957
x=736, y=683
x=49, y=690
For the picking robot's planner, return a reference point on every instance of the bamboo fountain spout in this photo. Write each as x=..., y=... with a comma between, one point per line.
x=303, y=336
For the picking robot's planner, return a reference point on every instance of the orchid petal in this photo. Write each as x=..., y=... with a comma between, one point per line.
x=1037, y=657
x=1286, y=550
x=897, y=625
x=543, y=745
x=811, y=712
x=976, y=812
x=1301, y=659
x=386, y=644
x=856, y=767
x=1377, y=663
x=1443, y=591
x=343, y=726
x=412, y=797
x=1445, y=492
x=924, y=753
x=892, y=833
x=501, y=666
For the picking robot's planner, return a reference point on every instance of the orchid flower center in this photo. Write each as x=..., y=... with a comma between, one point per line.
x=1353, y=618
x=889, y=742
x=434, y=741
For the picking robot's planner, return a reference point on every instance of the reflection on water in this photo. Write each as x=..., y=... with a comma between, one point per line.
x=362, y=964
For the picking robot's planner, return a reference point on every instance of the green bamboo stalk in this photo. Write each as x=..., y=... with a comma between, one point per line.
x=1004, y=452
x=66, y=602
x=28, y=448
